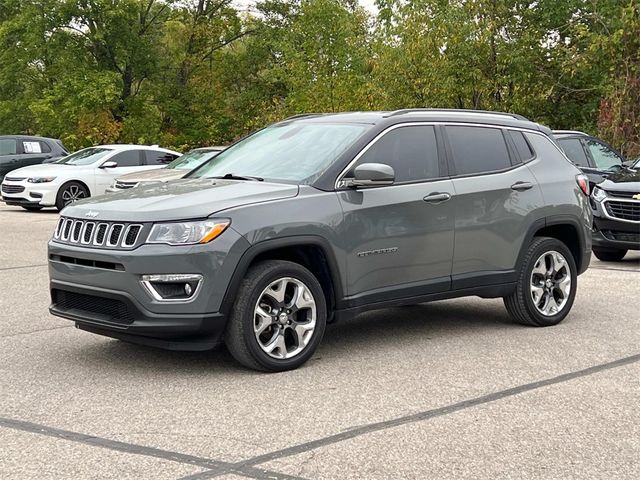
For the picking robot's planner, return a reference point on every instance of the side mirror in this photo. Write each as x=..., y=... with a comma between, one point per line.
x=109, y=165
x=371, y=175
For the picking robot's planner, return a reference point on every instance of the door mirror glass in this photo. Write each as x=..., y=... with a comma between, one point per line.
x=109, y=165
x=371, y=175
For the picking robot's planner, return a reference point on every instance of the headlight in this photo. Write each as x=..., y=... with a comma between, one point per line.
x=187, y=233
x=40, y=179
x=598, y=194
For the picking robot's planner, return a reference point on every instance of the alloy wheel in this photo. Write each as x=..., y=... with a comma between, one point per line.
x=550, y=283
x=72, y=194
x=285, y=318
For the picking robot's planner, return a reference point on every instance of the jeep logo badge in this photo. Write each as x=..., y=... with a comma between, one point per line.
x=91, y=214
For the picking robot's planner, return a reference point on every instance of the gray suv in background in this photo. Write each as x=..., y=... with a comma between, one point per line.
x=17, y=151
x=320, y=217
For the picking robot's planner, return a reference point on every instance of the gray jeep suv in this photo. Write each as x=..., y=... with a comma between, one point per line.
x=320, y=217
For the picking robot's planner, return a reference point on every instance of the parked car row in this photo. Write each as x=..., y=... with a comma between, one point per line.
x=85, y=173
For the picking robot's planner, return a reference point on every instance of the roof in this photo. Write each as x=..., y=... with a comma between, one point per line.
x=29, y=136
x=569, y=132
x=420, y=114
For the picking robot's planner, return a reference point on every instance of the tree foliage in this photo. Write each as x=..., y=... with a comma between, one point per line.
x=186, y=73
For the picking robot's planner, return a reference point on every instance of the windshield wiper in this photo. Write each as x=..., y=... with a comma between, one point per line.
x=231, y=176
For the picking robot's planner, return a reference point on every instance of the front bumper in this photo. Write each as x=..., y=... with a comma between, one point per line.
x=613, y=233
x=22, y=193
x=101, y=291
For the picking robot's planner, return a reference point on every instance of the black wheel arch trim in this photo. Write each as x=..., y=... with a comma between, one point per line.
x=582, y=262
x=277, y=243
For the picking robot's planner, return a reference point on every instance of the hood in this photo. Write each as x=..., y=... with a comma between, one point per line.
x=179, y=200
x=623, y=181
x=155, y=175
x=45, y=170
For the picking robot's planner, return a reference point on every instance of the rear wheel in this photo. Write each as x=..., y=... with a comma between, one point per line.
x=609, y=255
x=278, y=318
x=547, y=284
x=70, y=193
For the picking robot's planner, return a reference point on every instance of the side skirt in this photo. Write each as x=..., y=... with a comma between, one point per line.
x=488, y=291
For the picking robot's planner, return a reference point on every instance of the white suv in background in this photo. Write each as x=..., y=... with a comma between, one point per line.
x=86, y=173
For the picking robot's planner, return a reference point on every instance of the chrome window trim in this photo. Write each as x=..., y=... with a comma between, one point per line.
x=338, y=183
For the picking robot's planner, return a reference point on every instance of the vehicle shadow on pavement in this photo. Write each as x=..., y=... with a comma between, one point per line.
x=366, y=333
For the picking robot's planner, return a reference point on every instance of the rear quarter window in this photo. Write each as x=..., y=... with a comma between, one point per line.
x=478, y=149
x=573, y=149
x=522, y=146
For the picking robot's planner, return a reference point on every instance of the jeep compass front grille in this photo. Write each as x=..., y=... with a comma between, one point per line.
x=89, y=233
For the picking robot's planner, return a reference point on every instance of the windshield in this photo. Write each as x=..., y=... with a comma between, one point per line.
x=86, y=156
x=192, y=159
x=293, y=152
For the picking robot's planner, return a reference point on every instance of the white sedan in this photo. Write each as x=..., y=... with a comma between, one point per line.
x=86, y=173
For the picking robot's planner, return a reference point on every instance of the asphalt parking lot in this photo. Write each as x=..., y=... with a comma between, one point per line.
x=450, y=389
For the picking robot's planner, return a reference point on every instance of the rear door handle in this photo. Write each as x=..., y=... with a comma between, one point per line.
x=437, y=197
x=521, y=186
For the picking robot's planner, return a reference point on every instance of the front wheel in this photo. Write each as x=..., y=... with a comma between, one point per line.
x=609, y=255
x=546, y=286
x=278, y=318
x=70, y=193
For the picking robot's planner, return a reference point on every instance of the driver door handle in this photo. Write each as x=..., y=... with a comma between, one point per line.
x=437, y=197
x=521, y=186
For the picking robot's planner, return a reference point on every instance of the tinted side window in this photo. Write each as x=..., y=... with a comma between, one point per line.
x=155, y=157
x=44, y=147
x=522, y=147
x=478, y=149
x=411, y=151
x=603, y=156
x=8, y=146
x=573, y=149
x=130, y=158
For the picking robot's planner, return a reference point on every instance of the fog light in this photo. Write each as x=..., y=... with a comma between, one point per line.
x=179, y=287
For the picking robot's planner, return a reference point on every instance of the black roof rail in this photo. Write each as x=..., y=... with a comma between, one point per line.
x=451, y=110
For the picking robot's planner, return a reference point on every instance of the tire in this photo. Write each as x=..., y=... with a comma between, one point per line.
x=249, y=347
x=609, y=255
x=32, y=209
x=537, y=279
x=69, y=193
